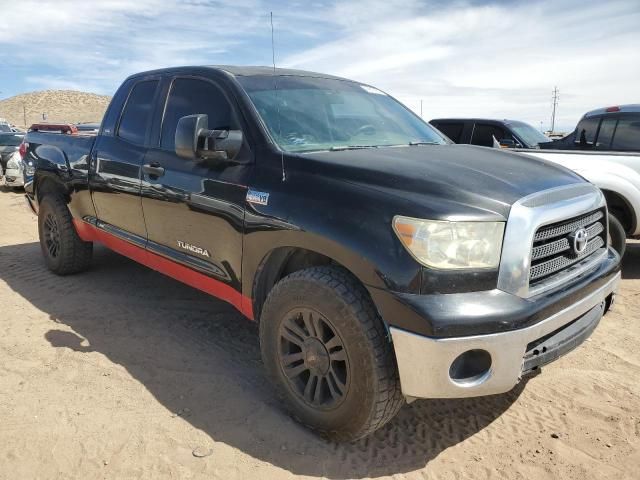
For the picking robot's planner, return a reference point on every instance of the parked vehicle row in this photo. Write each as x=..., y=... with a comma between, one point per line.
x=614, y=129
x=484, y=132
x=11, y=167
x=382, y=262
x=604, y=148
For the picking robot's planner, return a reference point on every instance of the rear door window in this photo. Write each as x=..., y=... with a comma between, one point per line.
x=136, y=116
x=586, y=132
x=627, y=135
x=451, y=130
x=483, y=134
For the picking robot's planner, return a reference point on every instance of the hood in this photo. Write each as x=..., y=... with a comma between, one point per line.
x=476, y=178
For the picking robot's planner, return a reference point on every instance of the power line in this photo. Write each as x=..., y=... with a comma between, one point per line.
x=555, y=97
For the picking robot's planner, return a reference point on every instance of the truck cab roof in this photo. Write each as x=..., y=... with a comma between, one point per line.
x=240, y=71
x=630, y=108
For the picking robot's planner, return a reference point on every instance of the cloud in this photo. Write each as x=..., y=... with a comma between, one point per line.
x=487, y=59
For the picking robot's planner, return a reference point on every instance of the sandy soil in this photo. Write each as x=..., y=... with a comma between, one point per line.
x=120, y=372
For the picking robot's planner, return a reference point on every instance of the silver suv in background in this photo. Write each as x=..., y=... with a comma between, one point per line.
x=10, y=160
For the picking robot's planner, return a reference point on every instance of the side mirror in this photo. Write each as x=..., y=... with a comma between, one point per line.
x=507, y=143
x=194, y=141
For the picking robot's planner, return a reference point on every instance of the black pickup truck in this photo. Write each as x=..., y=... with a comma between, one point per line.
x=382, y=262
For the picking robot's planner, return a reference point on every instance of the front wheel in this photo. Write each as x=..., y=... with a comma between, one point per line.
x=325, y=348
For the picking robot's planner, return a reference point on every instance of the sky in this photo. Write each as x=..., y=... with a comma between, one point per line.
x=497, y=59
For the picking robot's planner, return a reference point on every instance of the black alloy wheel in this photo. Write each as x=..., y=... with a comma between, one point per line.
x=313, y=359
x=51, y=235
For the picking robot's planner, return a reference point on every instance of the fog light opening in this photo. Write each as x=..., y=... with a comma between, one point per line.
x=609, y=301
x=471, y=367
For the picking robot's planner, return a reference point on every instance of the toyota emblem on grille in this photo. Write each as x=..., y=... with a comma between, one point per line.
x=579, y=238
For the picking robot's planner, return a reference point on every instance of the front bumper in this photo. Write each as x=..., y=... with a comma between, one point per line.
x=425, y=362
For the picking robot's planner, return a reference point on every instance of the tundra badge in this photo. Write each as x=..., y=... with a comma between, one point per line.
x=254, y=196
x=193, y=248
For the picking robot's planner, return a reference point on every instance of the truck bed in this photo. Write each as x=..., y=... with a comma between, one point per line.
x=70, y=150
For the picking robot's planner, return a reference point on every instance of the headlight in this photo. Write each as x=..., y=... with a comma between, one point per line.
x=451, y=245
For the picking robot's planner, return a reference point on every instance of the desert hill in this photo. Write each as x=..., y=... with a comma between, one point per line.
x=68, y=106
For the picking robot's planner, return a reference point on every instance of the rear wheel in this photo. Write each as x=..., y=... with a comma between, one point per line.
x=325, y=348
x=63, y=250
x=617, y=235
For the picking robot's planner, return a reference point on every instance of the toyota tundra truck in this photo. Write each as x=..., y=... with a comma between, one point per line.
x=382, y=263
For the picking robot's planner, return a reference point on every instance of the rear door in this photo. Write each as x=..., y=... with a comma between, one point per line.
x=194, y=211
x=117, y=161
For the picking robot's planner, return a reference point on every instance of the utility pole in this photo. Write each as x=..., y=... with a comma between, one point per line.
x=555, y=98
x=420, y=108
x=24, y=114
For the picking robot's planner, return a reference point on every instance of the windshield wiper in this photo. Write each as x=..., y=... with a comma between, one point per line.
x=351, y=147
x=424, y=143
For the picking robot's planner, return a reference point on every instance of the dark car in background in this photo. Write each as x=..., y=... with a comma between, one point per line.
x=88, y=127
x=606, y=129
x=9, y=143
x=481, y=131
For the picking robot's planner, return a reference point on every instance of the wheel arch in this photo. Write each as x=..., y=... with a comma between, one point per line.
x=47, y=183
x=285, y=260
x=622, y=209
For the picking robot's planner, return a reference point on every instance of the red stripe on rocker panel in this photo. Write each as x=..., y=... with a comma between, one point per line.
x=91, y=233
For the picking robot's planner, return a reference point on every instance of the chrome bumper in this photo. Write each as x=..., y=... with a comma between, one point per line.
x=424, y=363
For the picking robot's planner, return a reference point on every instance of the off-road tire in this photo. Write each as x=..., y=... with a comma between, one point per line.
x=617, y=235
x=72, y=255
x=373, y=396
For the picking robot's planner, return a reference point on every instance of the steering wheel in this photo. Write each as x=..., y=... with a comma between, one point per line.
x=298, y=138
x=366, y=130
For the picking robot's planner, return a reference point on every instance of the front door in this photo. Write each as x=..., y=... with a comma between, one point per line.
x=194, y=211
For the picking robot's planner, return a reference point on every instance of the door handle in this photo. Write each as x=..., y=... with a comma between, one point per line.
x=153, y=169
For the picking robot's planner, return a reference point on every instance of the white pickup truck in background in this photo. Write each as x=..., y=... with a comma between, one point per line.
x=605, y=149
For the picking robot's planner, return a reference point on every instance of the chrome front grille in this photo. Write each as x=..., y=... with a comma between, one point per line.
x=553, y=250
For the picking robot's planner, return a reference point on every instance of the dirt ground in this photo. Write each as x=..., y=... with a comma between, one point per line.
x=121, y=372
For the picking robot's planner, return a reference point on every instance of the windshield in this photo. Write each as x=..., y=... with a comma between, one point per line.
x=10, y=140
x=308, y=113
x=528, y=134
